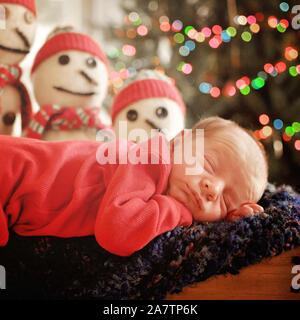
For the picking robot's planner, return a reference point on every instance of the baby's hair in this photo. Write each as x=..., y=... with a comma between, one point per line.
x=211, y=124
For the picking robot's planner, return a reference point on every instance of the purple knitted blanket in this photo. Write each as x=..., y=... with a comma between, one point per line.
x=77, y=268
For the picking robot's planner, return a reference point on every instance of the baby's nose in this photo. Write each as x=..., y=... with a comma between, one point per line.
x=211, y=189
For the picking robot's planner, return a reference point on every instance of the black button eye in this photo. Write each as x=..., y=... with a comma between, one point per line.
x=161, y=112
x=64, y=59
x=91, y=62
x=132, y=115
x=9, y=118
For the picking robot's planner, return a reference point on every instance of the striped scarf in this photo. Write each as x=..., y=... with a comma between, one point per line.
x=54, y=117
x=8, y=75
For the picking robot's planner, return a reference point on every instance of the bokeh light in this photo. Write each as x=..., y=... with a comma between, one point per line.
x=290, y=53
x=206, y=31
x=286, y=138
x=242, y=20
x=231, y=31
x=225, y=36
x=255, y=28
x=200, y=37
x=284, y=6
x=245, y=91
x=133, y=17
x=262, y=75
x=216, y=29
x=192, y=33
x=187, y=29
x=258, y=83
x=177, y=26
x=129, y=50
x=272, y=22
x=251, y=19
x=246, y=36
x=267, y=131
x=264, y=119
x=213, y=43
x=268, y=67
x=289, y=131
x=280, y=66
x=190, y=44
x=297, y=145
x=259, y=16
x=215, y=92
x=296, y=126
x=293, y=71
x=142, y=30
x=184, y=51
x=165, y=26
x=278, y=124
x=284, y=23
x=163, y=19
x=179, y=38
x=131, y=33
x=229, y=90
x=187, y=68
x=205, y=87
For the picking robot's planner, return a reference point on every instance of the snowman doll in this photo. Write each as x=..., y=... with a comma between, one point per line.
x=149, y=101
x=16, y=38
x=70, y=81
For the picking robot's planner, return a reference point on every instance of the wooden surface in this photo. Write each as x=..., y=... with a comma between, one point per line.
x=267, y=280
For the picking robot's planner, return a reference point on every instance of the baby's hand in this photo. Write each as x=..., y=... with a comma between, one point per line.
x=245, y=210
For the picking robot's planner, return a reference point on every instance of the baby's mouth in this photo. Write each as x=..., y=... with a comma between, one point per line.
x=86, y=94
x=196, y=197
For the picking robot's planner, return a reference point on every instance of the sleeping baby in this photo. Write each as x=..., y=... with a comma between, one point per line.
x=81, y=188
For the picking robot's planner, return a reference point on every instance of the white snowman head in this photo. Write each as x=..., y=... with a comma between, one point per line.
x=148, y=100
x=17, y=35
x=70, y=70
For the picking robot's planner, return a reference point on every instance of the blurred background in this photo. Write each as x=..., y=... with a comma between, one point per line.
x=238, y=59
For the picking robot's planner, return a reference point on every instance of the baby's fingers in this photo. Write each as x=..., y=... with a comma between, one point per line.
x=244, y=211
x=255, y=207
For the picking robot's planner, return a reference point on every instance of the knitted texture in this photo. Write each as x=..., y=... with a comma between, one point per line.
x=144, y=85
x=53, y=117
x=68, y=41
x=29, y=4
x=77, y=268
x=10, y=75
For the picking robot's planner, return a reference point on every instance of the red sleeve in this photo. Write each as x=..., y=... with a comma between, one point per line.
x=134, y=211
x=4, y=234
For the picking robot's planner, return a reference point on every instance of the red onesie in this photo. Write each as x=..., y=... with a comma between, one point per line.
x=61, y=189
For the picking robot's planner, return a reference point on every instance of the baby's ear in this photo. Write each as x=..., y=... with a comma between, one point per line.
x=245, y=210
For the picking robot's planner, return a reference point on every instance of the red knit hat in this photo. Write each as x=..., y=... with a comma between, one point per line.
x=68, y=41
x=145, y=88
x=29, y=4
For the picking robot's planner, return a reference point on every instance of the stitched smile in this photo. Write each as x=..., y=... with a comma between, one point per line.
x=14, y=50
x=86, y=94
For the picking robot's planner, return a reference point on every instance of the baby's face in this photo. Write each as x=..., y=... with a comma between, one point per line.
x=233, y=173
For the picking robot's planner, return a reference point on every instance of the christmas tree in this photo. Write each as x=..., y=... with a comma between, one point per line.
x=235, y=59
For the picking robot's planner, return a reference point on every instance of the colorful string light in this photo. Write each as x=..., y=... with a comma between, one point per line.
x=267, y=131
